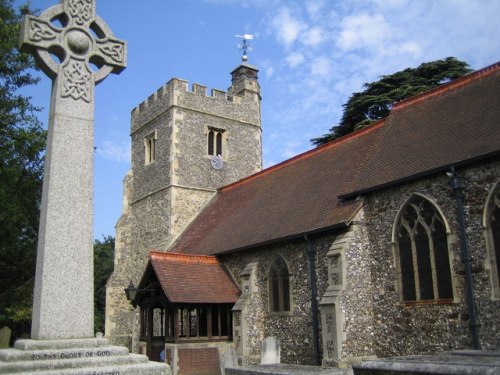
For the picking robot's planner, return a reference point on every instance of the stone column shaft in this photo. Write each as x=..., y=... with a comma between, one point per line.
x=64, y=275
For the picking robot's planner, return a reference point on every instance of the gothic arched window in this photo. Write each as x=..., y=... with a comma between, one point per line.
x=492, y=223
x=279, y=285
x=422, y=249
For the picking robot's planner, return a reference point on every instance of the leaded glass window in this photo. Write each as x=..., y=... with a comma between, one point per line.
x=493, y=227
x=279, y=285
x=423, y=253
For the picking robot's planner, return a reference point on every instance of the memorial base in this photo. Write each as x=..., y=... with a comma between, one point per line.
x=75, y=357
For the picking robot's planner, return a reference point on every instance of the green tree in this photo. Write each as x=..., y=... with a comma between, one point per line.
x=22, y=142
x=103, y=267
x=375, y=101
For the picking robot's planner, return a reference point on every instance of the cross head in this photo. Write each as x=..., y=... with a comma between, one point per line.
x=72, y=33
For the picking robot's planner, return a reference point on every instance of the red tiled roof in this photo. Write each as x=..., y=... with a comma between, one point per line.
x=293, y=198
x=452, y=124
x=193, y=278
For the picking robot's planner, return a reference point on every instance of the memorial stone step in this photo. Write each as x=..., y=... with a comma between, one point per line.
x=82, y=357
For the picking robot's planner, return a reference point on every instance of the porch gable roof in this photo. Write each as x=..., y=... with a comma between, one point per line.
x=188, y=278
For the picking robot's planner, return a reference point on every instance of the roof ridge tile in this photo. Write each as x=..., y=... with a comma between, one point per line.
x=305, y=155
x=184, y=258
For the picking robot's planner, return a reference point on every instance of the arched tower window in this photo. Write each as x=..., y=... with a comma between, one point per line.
x=215, y=141
x=279, y=285
x=422, y=249
x=150, y=148
x=492, y=224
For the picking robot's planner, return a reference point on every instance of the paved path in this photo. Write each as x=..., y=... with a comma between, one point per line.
x=284, y=369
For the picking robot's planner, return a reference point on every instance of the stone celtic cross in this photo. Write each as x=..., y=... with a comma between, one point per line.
x=83, y=39
x=76, y=49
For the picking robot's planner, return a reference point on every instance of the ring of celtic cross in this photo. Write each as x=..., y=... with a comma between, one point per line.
x=83, y=37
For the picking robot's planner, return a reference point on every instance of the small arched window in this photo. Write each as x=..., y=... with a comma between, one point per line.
x=492, y=223
x=215, y=141
x=150, y=148
x=422, y=249
x=279, y=285
x=211, y=150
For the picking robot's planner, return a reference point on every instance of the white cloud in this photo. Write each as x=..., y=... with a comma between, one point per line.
x=286, y=26
x=364, y=31
x=321, y=66
x=412, y=48
x=269, y=71
x=314, y=36
x=314, y=8
x=116, y=152
x=267, y=67
x=294, y=59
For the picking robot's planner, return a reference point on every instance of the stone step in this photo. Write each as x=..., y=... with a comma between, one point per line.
x=90, y=356
x=150, y=368
x=70, y=363
x=29, y=344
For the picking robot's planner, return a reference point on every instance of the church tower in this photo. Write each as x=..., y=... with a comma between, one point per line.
x=185, y=145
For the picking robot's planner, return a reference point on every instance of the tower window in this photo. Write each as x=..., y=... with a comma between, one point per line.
x=150, y=148
x=215, y=141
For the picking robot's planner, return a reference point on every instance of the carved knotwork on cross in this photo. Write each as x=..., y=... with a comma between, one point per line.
x=79, y=39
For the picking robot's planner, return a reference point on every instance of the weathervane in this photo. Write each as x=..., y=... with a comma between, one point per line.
x=245, y=45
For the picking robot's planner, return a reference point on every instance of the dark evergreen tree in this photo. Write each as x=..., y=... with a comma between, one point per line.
x=375, y=101
x=103, y=267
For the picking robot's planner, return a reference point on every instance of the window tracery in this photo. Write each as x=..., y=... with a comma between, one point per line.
x=492, y=223
x=279, y=285
x=422, y=248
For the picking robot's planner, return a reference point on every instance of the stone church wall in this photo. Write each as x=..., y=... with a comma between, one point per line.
x=357, y=331
x=149, y=179
x=294, y=329
x=428, y=328
x=241, y=150
x=118, y=315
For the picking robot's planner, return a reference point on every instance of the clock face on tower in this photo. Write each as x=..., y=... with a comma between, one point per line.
x=217, y=162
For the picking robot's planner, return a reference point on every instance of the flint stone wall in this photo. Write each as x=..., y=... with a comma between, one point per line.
x=429, y=328
x=357, y=331
x=293, y=330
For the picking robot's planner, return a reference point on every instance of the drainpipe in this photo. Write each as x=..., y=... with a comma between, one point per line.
x=458, y=185
x=311, y=254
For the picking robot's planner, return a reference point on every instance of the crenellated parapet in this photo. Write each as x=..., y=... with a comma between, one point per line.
x=241, y=102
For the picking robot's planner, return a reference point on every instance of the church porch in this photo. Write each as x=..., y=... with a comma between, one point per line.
x=187, y=324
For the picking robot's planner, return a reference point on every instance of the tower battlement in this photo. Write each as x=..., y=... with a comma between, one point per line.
x=240, y=102
x=183, y=85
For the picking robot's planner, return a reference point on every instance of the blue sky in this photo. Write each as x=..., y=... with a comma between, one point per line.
x=312, y=56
